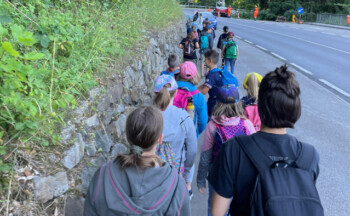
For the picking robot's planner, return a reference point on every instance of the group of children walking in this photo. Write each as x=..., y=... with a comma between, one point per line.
x=203, y=40
x=155, y=177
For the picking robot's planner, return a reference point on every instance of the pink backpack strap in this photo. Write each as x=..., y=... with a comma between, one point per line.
x=246, y=131
x=195, y=92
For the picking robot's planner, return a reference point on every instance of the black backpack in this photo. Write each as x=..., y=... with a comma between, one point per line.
x=189, y=47
x=282, y=187
x=223, y=41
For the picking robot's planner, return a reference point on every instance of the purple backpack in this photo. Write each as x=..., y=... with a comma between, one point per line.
x=224, y=133
x=182, y=96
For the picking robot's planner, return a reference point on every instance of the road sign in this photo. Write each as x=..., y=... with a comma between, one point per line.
x=195, y=1
x=300, y=10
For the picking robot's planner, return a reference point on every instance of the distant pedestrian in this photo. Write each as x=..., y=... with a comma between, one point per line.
x=250, y=101
x=269, y=161
x=138, y=182
x=179, y=146
x=222, y=41
x=227, y=121
x=200, y=24
x=230, y=52
x=256, y=12
x=238, y=15
x=212, y=30
x=189, y=46
x=205, y=44
x=195, y=24
x=195, y=33
x=173, y=66
x=189, y=22
x=229, y=9
x=209, y=9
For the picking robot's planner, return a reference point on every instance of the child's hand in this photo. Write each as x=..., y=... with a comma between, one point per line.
x=202, y=190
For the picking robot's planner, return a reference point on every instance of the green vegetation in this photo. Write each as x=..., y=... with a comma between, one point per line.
x=53, y=51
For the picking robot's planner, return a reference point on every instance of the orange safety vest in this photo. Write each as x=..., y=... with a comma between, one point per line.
x=256, y=11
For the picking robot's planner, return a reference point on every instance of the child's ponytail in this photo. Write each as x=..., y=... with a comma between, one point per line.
x=163, y=97
x=139, y=161
x=144, y=126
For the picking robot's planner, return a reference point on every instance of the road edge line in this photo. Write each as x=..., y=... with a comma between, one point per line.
x=278, y=56
x=261, y=47
x=341, y=91
x=302, y=69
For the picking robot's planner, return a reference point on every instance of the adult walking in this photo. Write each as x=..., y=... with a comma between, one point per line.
x=246, y=167
x=256, y=12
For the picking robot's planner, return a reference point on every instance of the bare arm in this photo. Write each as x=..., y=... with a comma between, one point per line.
x=196, y=45
x=219, y=204
x=203, y=89
x=223, y=51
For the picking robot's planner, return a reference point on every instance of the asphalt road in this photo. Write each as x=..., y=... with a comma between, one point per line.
x=321, y=53
x=325, y=117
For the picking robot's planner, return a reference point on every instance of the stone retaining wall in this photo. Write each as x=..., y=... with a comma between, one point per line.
x=96, y=129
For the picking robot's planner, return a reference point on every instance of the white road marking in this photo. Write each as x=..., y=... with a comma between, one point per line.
x=302, y=69
x=248, y=41
x=322, y=45
x=345, y=36
x=238, y=37
x=341, y=91
x=278, y=56
x=261, y=47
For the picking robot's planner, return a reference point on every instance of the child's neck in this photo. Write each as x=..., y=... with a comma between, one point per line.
x=211, y=67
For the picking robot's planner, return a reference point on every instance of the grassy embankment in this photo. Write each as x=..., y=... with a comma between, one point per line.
x=52, y=53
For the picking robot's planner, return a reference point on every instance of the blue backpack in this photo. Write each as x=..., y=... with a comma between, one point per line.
x=227, y=77
x=282, y=187
x=169, y=73
x=204, y=41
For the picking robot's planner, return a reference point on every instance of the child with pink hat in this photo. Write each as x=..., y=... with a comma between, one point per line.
x=187, y=81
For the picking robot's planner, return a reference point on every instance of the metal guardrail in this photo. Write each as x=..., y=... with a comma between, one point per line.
x=334, y=19
x=194, y=6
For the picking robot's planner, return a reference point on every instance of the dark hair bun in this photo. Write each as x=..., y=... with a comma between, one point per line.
x=282, y=73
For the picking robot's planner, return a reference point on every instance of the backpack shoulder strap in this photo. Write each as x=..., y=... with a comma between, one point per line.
x=306, y=156
x=174, y=72
x=255, y=155
x=195, y=92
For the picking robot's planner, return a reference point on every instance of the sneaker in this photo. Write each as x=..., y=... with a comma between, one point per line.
x=191, y=194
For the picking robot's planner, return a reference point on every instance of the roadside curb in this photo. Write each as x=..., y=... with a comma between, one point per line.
x=329, y=26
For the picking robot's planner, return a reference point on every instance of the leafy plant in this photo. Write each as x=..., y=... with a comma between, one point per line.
x=52, y=52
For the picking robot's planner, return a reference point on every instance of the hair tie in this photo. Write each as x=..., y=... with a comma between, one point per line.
x=134, y=149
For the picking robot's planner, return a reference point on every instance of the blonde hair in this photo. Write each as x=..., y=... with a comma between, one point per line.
x=195, y=80
x=144, y=126
x=253, y=85
x=228, y=110
x=163, y=97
